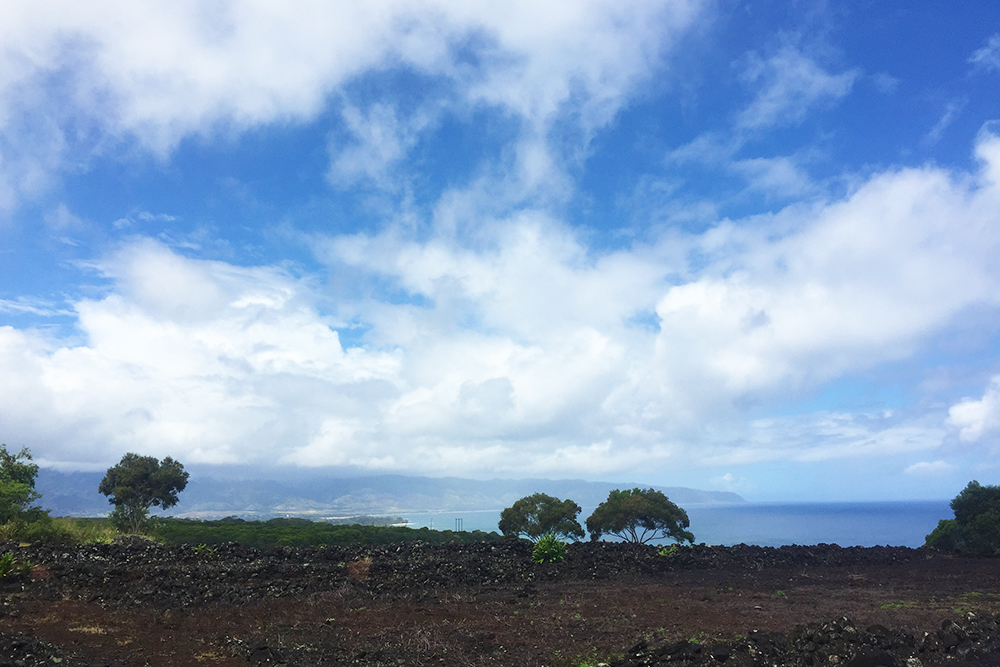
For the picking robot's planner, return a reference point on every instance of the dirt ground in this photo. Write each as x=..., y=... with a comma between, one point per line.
x=143, y=604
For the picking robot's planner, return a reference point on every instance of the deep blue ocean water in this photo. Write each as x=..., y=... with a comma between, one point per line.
x=903, y=523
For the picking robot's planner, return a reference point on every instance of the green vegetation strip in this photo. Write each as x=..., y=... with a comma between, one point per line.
x=301, y=532
x=275, y=532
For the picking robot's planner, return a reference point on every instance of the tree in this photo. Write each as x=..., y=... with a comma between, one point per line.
x=639, y=515
x=138, y=483
x=541, y=514
x=17, y=484
x=976, y=526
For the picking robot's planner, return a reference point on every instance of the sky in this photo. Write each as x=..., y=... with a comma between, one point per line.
x=749, y=246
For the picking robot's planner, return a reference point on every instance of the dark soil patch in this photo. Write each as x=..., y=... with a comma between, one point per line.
x=139, y=603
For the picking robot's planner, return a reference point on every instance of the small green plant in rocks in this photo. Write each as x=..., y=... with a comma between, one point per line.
x=671, y=551
x=548, y=549
x=10, y=566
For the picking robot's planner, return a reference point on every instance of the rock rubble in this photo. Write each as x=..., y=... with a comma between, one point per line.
x=975, y=642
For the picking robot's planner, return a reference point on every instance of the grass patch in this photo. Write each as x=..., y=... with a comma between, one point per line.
x=899, y=604
x=87, y=531
x=971, y=596
x=59, y=530
x=87, y=629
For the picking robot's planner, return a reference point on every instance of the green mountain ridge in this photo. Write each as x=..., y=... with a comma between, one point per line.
x=75, y=494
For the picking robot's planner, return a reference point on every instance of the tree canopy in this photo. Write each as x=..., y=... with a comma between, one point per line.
x=540, y=514
x=137, y=483
x=976, y=526
x=17, y=484
x=639, y=515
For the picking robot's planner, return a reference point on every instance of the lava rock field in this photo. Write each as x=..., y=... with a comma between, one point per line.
x=135, y=602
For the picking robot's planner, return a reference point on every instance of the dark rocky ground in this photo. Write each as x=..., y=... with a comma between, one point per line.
x=138, y=603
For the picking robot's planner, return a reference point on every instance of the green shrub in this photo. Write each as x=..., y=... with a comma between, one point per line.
x=548, y=549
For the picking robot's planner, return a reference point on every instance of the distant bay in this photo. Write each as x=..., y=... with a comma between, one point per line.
x=716, y=518
x=866, y=524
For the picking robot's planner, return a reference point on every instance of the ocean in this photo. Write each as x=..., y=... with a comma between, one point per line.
x=866, y=524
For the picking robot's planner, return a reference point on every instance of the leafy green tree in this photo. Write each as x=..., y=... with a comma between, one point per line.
x=17, y=485
x=639, y=515
x=138, y=483
x=976, y=526
x=540, y=514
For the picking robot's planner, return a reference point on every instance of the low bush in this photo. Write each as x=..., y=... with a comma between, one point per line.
x=360, y=568
x=548, y=549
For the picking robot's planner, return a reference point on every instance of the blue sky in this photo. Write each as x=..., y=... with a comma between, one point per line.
x=745, y=246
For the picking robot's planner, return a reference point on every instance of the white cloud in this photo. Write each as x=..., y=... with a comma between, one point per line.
x=859, y=282
x=976, y=418
x=62, y=219
x=790, y=84
x=380, y=140
x=516, y=347
x=146, y=216
x=929, y=469
x=988, y=57
x=731, y=482
x=200, y=359
x=951, y=112
x=81, y=76
x=885, y=83
x=22, y=305
x=782, y=176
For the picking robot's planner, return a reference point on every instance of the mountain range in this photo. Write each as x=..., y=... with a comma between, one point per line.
x=316, y=496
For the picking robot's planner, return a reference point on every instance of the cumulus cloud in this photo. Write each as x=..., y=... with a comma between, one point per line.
x=519, y=347
x=205, y=360
x=976, y=418
x=780, y=306
x=82, y=78
x=858, y=282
